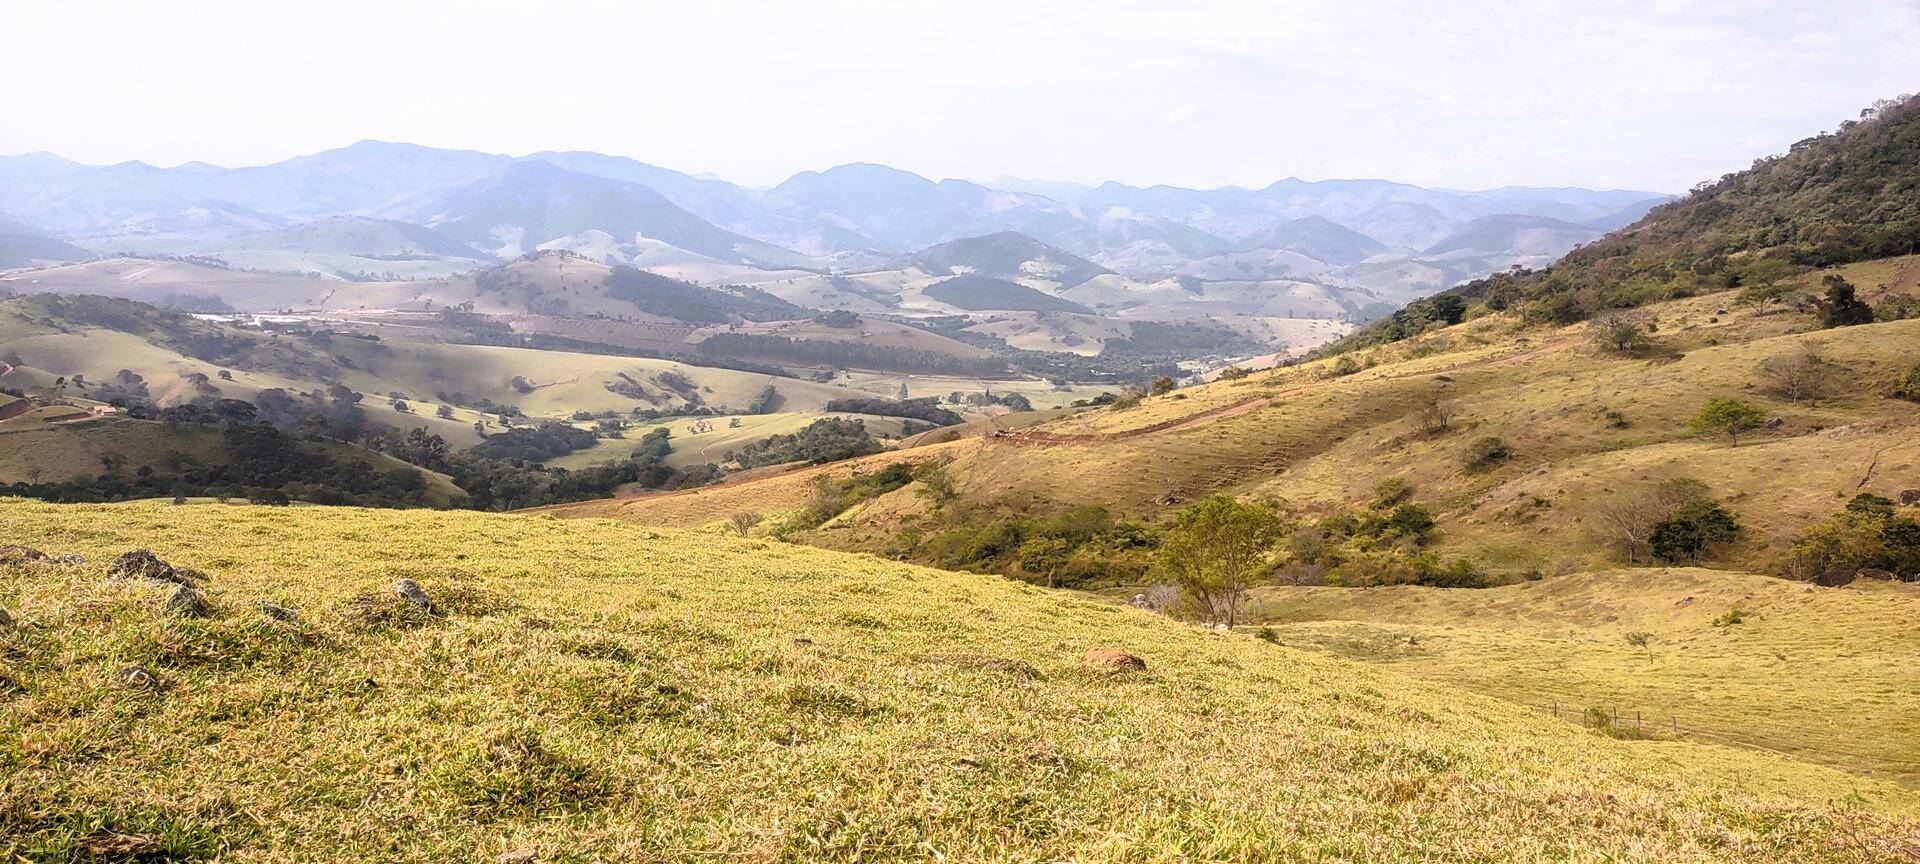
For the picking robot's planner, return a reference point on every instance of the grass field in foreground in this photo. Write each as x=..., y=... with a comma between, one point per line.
x=590, y=690
x=1824, y=674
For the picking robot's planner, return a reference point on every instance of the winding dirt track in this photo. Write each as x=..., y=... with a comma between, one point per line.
x=1041, y=438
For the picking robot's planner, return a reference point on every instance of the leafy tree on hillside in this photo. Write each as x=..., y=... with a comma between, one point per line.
x=1841, y=307
x=1215, y=550
x=1693, y=531
x=1728, y=417
x=1623, y=332
x=1863, y=535
x=1629, y=516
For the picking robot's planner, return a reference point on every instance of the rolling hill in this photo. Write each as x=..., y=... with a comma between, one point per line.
x=976, y=292
x=1007, y=255
x=584, y=688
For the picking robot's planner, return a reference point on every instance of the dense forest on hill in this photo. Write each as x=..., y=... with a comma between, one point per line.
x=685, y=301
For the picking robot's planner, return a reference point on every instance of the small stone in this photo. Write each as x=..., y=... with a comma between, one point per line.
x=517, y=856
x=1115, y=658
x=187, y=601
x=411, y=592
x=277, y=612
x=532, y=623
x=69, y=560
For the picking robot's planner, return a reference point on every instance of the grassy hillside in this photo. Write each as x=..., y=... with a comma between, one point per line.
x=587, y=690
x=32, y=451
x=1837, y=198
x=1580, y=423
x=1820, y=674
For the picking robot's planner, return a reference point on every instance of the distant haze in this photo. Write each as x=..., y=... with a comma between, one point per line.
x=1608, y=94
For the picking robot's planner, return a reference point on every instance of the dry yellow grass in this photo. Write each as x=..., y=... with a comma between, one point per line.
x=588, y=690
x=1823, y=674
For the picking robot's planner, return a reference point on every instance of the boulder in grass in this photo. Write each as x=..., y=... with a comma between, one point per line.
x=411, y=592
x=1910, y=498
x=142, y=564
x=1115, y=659
x=278, y=612
x=20, y=555
x=187, y=601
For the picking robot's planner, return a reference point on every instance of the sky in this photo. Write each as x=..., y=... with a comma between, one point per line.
x=1467, y=95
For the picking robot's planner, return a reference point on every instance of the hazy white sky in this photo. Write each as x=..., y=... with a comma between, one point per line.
x=1602, y=93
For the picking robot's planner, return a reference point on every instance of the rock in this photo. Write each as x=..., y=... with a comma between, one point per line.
x=139, y=678
x=69, y=560
x=517, y=856
x=20, y=555
x=1776, y=423
x=277, y=612
x=1114, y=658
x=142, y=564
x=1140, y=601
x=411, y=592
x=187, y=602
x=1835, y=578
x=1870, y=573
x=1910, y=498
x=532, y=623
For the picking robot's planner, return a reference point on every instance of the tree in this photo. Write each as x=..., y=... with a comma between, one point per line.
x=1693, y=531
x=1728, y=417
x=1629, y=516
x=1623, y=332
x=1214, y=550
x=743, y=522
x=1841, y=307
x=1802, y=374
x=1162, y=385
x=1044, y=556
x=444, y=412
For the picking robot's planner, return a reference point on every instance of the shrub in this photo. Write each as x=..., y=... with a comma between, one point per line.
x=1486, y=453
x=1391, y=491
x=1693, y=531
x=1436, y=416
x=1800, y=375
x=1863, y=535
x=1907, y=386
